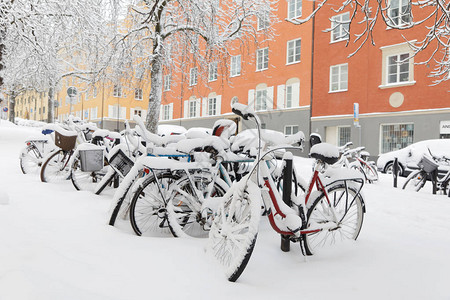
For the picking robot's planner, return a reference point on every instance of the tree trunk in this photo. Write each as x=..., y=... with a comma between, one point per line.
x=51, y=106
x=154, y=101
x=12, y=105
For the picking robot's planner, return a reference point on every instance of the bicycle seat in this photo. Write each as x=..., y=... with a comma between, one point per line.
x=325, y=152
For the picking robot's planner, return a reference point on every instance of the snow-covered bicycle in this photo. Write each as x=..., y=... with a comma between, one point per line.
x=330, y=209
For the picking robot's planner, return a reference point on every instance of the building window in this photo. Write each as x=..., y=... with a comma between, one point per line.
x=396, y=136
x=95, y=92
x=166, y=112
x=94, y=113
x=261, y=100
x=138, y=112
x=340, y=26
x=167, y=82
x=339, y=78
x=138, y=94
x=289, y=96
x=398, y=68
x=212, y=106
x=264, y=20
x=192, y=109
x=294, y=9
x=290, y=129
x=399, y=12
x=212, y=71
x=43, y=110
x=193, y=76
x=262, y=59
x=293, y=51
x=235, y=65
x=344, y=135
x=117, y=92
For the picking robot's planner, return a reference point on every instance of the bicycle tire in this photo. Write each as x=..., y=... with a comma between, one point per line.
x=415, y=181
x=349, y=207
x=370, y=172
x=183, y=216
x=234, y=229
x=83, y=181
x=105, y=181
x=30, y=160
x=55, y=168
x=148, y=213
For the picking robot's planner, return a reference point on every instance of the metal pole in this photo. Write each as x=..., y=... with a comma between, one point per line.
x=287, y=189
x=395, y=171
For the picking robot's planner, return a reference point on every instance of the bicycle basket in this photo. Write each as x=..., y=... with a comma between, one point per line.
x=427, y=164
x=121, y=163
x=64, y=142
x=91, y=160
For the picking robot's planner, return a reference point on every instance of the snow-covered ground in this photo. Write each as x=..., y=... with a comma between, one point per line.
x=55, y=244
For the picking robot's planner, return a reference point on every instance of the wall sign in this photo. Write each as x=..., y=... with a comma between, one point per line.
x=444, y=128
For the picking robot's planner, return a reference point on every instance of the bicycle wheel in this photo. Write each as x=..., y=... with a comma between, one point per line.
x=234, y=229
x=184, y=208
x=105, y=181
x=83, y=181
x=148, y=214
x=415, y=181
x=344, y=225
x=30, y=160
x=56, y=168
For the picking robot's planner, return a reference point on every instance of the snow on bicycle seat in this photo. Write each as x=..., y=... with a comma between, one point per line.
x=189, y=145
x=325, y=152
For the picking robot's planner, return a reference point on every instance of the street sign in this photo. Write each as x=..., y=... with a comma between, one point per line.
x=5, y=109
x=72, y=91
x=356, y=114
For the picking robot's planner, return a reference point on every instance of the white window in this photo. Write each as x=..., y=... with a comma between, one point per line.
x=340, y=26
x=339, y=78
x=166, y=112
x=235, y=65
x=262, y=59
x=398, y=68
x=293, y=51
x=138, y=94
x=294, y=9
x=344, y=135
x=212, y=106
x=138, y=112
x=396, y=136
x=193, y=109
x=94, y=111
x=290, y=129
x=193, y=76
x=261, y=100
x=167, y=82
x=289, y=96
x=117, y=92
x=264, y=20
x=399, y=12
x=212, y=71
x=95, y=91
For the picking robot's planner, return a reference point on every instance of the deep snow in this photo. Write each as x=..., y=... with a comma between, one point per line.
x=55, y=244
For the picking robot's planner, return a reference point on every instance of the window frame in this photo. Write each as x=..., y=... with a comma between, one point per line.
x=296, y=9
x=167, y=82
x=235, y=66
x=193, y=76
x=138, y=94
x=117, y=91
x=410, y=138
x=211, y=106
x=261, y=100
x=291, y=129
x=340, y=26
x=294, y=54
x=212, y=71
x=262, y=62
x=340, y=88
x=263, y=21
x=400, y=21
x=193, y=109
x=398, y=71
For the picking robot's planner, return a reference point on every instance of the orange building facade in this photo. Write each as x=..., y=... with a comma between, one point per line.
x=398, y=104
x=274, y=77
x=396, y=101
